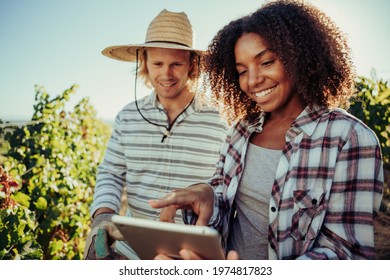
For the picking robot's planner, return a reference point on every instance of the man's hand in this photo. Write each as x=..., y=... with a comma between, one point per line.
x=103, y=234
x=199, y=198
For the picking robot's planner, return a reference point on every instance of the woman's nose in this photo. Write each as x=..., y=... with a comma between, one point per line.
x=255, y=77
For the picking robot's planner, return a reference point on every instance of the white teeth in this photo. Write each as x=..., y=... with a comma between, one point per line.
x=265, y=92
x=167, y=84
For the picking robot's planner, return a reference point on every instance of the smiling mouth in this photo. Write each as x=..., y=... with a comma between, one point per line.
x=167, y=84
x=264, y=93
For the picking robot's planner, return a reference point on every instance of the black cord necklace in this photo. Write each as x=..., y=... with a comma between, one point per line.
x=168, y=128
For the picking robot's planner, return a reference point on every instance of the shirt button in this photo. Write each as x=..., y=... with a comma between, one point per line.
x=314, y=201
x=273, y=209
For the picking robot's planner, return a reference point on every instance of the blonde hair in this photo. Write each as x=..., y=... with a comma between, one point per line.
x=193, y=75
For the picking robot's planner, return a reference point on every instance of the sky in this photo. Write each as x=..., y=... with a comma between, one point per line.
x=57, y=43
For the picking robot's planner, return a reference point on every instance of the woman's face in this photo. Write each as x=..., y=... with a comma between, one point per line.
x=262, y=76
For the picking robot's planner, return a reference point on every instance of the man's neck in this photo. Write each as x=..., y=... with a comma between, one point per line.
x=175, y=106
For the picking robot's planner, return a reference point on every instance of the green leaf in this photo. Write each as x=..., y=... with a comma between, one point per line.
x=22, y=199
x=41, y=203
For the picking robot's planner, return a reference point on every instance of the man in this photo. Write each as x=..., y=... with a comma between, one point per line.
x=167, y=140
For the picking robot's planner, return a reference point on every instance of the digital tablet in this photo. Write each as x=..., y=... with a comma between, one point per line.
x=149, y=238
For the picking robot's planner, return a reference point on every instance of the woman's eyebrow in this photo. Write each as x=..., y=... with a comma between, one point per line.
x=260, y=54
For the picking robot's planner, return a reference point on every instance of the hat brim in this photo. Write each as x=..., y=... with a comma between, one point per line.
x=128, y=52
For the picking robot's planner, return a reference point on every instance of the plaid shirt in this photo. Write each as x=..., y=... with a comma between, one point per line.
x=327, y=189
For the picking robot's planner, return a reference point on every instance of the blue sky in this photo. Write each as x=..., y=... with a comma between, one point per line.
x=57, y=43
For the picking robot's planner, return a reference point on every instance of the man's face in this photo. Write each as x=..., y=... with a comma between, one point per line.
x=168, y=71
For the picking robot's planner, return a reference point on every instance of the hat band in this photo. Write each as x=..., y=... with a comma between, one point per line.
x=169, y=42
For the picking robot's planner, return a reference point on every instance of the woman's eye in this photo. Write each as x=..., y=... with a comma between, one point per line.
x=266, y=63
x=242, y=72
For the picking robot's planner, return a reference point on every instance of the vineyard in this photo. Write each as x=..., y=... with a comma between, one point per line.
x=51, y=165
x=48, y=167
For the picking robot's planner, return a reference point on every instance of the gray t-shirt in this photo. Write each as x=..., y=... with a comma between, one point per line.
x=249, y=233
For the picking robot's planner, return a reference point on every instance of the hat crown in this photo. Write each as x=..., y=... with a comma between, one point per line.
x=170, y=27
x=167, y=30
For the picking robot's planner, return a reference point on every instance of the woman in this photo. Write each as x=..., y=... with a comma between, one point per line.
x=297, y=176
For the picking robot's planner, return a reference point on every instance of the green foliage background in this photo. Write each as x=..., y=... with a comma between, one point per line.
x=372, y=107
x=54, y=160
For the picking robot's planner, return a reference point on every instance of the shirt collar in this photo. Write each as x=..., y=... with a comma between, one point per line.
x=152, y=100
x=307, y=121
x=255, y=125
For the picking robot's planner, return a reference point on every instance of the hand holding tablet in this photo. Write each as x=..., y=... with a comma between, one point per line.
x=149, y=238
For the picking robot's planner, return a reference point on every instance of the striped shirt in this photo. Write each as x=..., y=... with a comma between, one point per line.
x=150, y=169
x=327, y=189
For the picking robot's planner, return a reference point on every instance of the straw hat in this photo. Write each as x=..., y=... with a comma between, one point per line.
x=167, y=30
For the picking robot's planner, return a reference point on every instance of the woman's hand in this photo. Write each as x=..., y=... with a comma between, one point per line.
x=190, y=255
x=199, y=198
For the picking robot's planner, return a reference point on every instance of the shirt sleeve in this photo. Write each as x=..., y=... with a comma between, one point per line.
x=355, y=197
x=110, y=179
x=220, y=184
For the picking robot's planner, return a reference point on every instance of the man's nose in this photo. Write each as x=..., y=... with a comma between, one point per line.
x=167, y=71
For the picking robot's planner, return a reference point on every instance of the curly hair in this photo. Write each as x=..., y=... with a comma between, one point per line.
x=311, y=47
